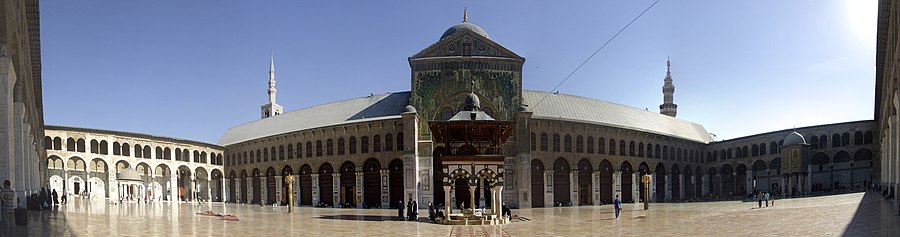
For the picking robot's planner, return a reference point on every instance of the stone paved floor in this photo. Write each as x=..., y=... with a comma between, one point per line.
x=848, y=214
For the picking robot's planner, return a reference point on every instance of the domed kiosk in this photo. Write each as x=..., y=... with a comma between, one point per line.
x=131, y=186
x=795, y=168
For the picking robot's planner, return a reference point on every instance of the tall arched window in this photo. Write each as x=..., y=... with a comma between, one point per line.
x=70, y=144
x=281, y=152
x=544, y=141
x=622, y=147
x=568, y=143
x=364, y=144
x=376, y=143
x=399, y=141
x=352, y=144
x=388, y=142
x=340, y=146
x=329, y=147
x=556, y=142
x=318, y=148
x=533, y=142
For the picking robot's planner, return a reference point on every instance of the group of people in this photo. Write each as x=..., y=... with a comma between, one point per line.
x=412, y=210
x=764, y=196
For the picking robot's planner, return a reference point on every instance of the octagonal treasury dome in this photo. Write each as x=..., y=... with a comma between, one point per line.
x=128, y=174
x=794, y=138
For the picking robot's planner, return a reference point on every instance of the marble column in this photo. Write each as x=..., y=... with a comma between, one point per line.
x=238, y=191
x=573, y=188
x=447, y=203
x=359, y=187
x=386, y=188
x=315, y=189
x=651, y=191
x=635, y=186
x=668, y=195
x=336, y=190
x=680, y=187
x=617, y=184
x=226, y=190
x=548, y=190
x=249, y=190
x=264, y=189
x=595, y=177
x=279, y=192
x=472, y=196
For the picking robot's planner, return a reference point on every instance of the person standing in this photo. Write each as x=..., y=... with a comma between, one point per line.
x=430, y=212
x=400, y=209
x=409, y=209
x=766, y=197
x=54, y=196
x=759, y=198
x=618, y=206
x=415, y=210
x=8, y=204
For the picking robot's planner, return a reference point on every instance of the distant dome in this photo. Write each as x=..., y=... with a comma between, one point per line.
x=465, y=25
x=129, y=174
x=409, y=109
x=523, y=108
x=794, y=138
x=472, y=102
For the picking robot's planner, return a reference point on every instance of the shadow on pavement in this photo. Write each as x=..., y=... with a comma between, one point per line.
x=874, y=217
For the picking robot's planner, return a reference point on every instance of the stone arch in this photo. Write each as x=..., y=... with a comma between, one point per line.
x=326, y=184
x=348, y=184
x=216, y=179
x=627, y=181
x=676, y=181
x=727, y=176
x=561, y=182
x=243, y=188
x=201, y=184
x=740, y=179
x=395, y=174
x=271, y=190
x=841, y=156
x=537, y=183
x=820, y=158
x=585, y=182
x=606, y=181
x=660, y=181
x=689, y=191
x=371, y=183
x=862, y=154
x=122, y=165
x=306, y=184
x=256, y=185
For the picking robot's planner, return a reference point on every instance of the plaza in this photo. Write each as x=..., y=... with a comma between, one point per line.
x=854, y=214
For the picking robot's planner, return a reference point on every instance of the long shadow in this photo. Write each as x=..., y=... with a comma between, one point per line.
x=362, y=218
x=874, y=217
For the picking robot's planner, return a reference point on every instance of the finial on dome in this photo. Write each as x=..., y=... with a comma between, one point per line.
x=465, y=14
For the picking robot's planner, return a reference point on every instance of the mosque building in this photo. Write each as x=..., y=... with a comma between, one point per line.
x=465, y=134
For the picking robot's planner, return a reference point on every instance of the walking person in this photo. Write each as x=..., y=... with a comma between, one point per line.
x=766, y=197
x=55, y=197
x=618, y=206
x=759, y=198
x=409, y=210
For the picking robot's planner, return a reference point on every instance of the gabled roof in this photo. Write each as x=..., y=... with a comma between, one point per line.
x=375, y=107
x=502, y=52
x=587, y=110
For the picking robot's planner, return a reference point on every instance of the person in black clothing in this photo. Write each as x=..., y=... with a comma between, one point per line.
x=400, y=209
x=54, y=196
x=430, y=212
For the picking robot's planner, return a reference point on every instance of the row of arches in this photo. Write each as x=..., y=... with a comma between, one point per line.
x=723, y=180
x=374, y=175
x=318, y=149
x=841, y=140
x=631, y=148
x=139, y=151
x=76, y=175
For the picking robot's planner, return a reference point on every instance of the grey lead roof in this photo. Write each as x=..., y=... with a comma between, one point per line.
x=389, y=106
x=375, y=107
x=583, y=109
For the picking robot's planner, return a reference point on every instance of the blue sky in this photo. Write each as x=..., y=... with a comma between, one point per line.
x=193, y=69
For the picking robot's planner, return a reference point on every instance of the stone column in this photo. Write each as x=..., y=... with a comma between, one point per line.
x=18, y=177
x=447, y=203
x=359, y=187
x=385, y=188
x=617, y=184
x=573, y=188
x=472, y=196
x=704, y=186
x=635, y=187
x=264, y=189
x=595, y=177
x=279, y=186
x=249, y=190
x=315, y=189
x=226, y=190
x=668, y=195
x=681, y=185
x=238, y=191
x=336, y=190
x=651, y=192
x=173, y=186
x=548, y=191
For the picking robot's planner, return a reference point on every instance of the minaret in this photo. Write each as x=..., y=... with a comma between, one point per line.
x=668, y=107
x=271, y=109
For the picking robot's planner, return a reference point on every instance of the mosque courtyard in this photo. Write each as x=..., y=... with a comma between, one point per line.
x=856, y=214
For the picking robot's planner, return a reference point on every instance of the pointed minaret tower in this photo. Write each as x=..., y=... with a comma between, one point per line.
x=668, y=107
x=272, y=108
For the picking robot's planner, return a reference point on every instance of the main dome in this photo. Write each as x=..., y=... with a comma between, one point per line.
x=794, y=138
x=465, y=25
